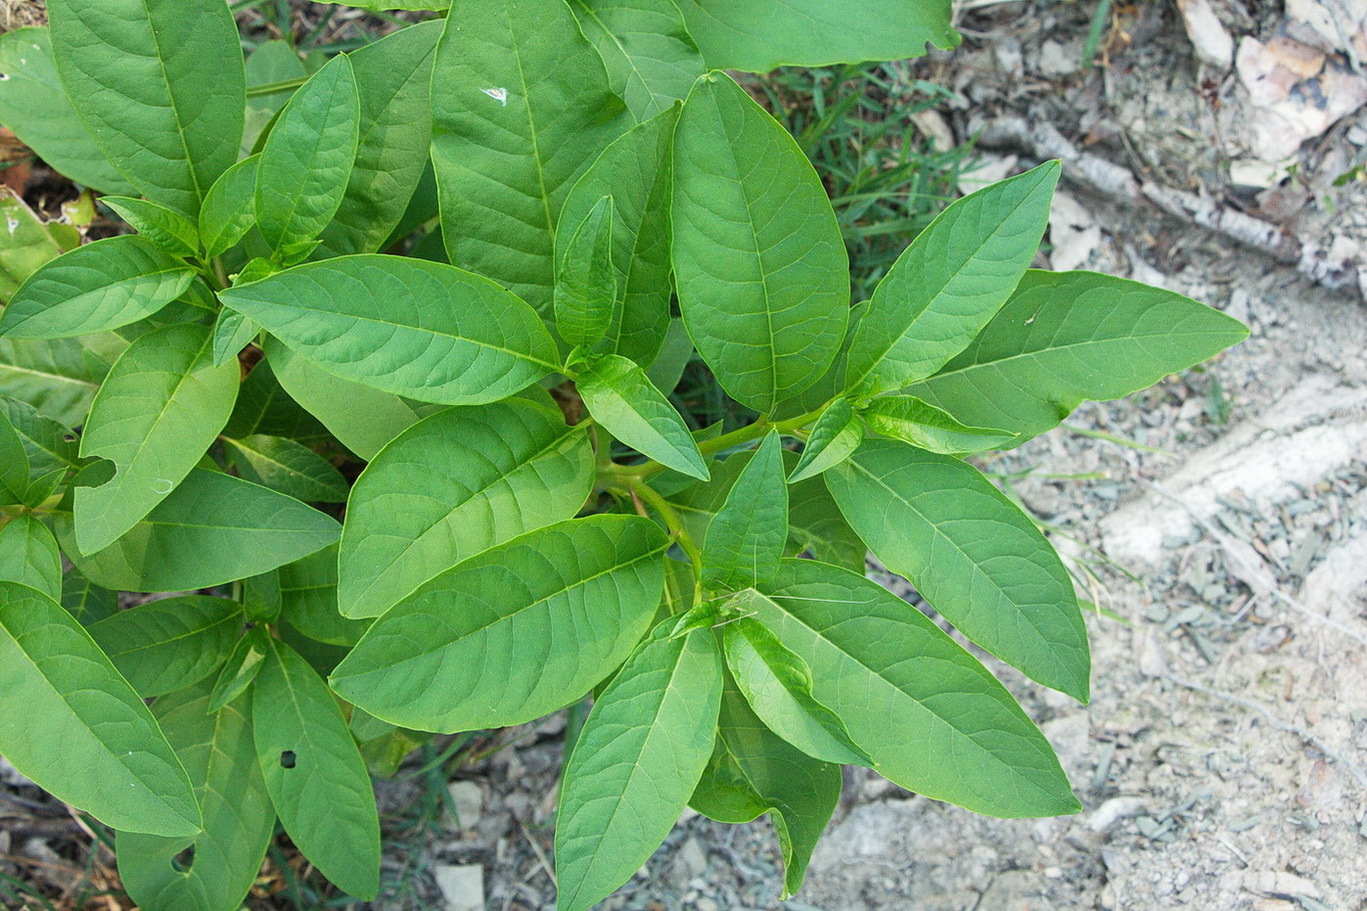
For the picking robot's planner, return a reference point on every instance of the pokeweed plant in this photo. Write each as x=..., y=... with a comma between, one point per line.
x=187, y=408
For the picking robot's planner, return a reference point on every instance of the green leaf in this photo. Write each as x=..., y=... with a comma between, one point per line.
x=288, y=467
x=762, y=270
x=428, y=331
x=382, y=5
x=668, y=368
x=314, y=773
x=48, y=446
x=232, y=333
x=308, y=588
x=241, y=667
x=971, y=553
x=308, y=157
x=744, y=540
x=392, y=79
x=754, y=771
x=362, y=418
x=14, y=464
x=113, y=761
x=950, y=282
x=914, y=421
x=778, y=687
x=29, y=556
x=525, y=106
x=31, y=243
x=85, y=600
x=262, y=599
x=761, y=35
x=586, y=281
x=636, y=171
x=229, y=210
x=451, y=487
x=264, y=407
x=816, y=526
x=161, y=407
x=160, y=86
x=1067, y=337
x=620, y=396
x=639, y=757
x=35, y=106
x=541, y=619
x=211, y=529
x=100, y=286
x=837, y=433
x=933, y=719
x=58, y=378
x=170, y=644
x=217, y=750
x=166, y=228
x=651, y=59
x=272, y=62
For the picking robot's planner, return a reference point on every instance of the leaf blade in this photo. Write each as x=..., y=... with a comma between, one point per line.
x=745, y=539
x=168, y=645
x=621, y=397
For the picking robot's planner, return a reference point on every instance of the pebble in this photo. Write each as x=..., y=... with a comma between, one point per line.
x=1112, y=811
x=469, y=802
x=462, y=886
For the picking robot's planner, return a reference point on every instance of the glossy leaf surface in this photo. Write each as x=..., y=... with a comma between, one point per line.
x=218, y=752
x=166, y=228
x=621, y=397
x=1067, y=337
x=954, y=735
x=160, y=85
x=162, y=405
x=762, y=271
x=526, y=107
x=314, y=773
x=513, y=633
x=915, y=421
x=651, y=59
x=100, y=286
x=288, y=467
x=950, y=282
x=428, y=331
x=168, y=645
x=29, y=556
x=211, y=529
x=586, y=282
x=451, y=487
x=113, y=761
x=639, y=757
x=836, y=434
x=229, y=210
x=744, y=541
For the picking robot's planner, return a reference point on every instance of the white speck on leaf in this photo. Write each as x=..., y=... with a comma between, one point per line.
x=12, y=223
x=499, y=95
x=162, y=486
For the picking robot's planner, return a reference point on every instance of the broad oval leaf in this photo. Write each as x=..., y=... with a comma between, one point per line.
x=288, y=467
x=263, y=406
x=100, y=286
x=636, y=170
x=525, y=107
x=307, y=159
x=29, y=556
x=229, y=210
x=1066, y=337
x=778, y=687
x=113, y=761
x=651, y=59
x=950, y=282
x=425, y=330
x=232, y=333
x=218, y=752
x=452, y=486
x=915, y=421
x=159, y=409
x=32, y=242
x=621, y=397
x=308, y=593
x=761, y=35
x=211, y=529
x=637, y=761
x=57, y=378
x=166, y=228
x=35, y=106
x=392, y=81
x=745, y=539
x=160, y=86
x=271, y=62
x=586, y=281
x=754, y=771
x=762, y=270
x=973, y=555
x=513, y=633
x=362, y=418
x=314, y=772
x=168, y=645
x=931, y=717
x=837, y=433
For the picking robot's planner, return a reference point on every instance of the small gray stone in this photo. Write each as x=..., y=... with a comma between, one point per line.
x=461, y=886
x=693, y=858
x=469, y=802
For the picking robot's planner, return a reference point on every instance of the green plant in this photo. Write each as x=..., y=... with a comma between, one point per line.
x=232, y=364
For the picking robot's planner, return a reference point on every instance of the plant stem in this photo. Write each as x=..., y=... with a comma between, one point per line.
x=651, y=496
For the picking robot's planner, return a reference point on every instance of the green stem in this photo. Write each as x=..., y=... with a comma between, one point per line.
x=273, y=88
x=651, y=497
